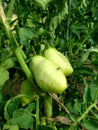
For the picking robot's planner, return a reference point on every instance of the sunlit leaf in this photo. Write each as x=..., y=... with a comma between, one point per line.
x=42, y=3
x=4, y=76
x=22, y=118
x=10, y=127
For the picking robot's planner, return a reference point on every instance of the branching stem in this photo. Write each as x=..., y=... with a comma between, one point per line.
x=83, y=115
x=15, y=46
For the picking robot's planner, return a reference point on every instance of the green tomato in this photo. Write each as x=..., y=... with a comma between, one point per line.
x=27, y=89
x=59, y=60
x=48, y=77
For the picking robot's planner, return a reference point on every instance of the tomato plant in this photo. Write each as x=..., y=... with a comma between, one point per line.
x=38, y=89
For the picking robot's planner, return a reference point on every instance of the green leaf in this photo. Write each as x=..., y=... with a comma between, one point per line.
x=25, y=35
x=93, y=90
x=62, y=13
x=22, y=118
x=10, y=127
x=86, y=96
x=86, y=54
x=84, y=57
x=4, y=76
x=77, y=107
x=12, y=107
x=42, y=3
x=73, y=128
x=91, y=124
x=31, y=107
x=8, y=63
x=94, y=113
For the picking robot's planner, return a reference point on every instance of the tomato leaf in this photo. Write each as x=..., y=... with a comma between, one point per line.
x=25, y=35
x=86, y=96
x=10, y=127
x=22, y=118
x=31, y=107
x=93, y=89
x=4, y=76
x=91, y=124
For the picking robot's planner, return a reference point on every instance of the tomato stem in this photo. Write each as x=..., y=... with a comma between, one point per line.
x=10, y=35
x=48, y=105
x=34, y=52
x=19, y=55
x=43, y=120
x=83, y=115
x=37, y=110
x=15, y=46
x=10, y=9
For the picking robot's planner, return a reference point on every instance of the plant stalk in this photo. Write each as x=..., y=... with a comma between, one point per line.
x=9, y=34
x=15, y=46
x=10, y=9
x=48, y=105
x=37, y=110
x=19, y=55
x=83, y=115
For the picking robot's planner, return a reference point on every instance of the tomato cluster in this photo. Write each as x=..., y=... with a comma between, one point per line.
x=50, y=70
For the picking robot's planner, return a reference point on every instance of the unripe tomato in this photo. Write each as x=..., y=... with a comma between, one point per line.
x=27, y=89
x=48, y=77
x=59, y=60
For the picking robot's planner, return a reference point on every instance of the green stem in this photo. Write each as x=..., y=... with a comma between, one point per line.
x=96, y=107
x=83, y=115
x=23, y=55
x=34, y=52
x=15, y=46
x=10, y=9
x=48, y=105
x=7, y=27
x=43, y=120
x=23, y=64
x=37, y=110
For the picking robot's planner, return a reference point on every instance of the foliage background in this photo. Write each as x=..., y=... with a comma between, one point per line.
x=71, y=26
